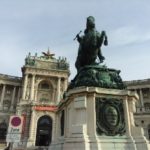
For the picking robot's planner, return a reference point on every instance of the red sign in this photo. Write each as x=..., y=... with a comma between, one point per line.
x=24, y=123
x=16, y=121
x=45, y=108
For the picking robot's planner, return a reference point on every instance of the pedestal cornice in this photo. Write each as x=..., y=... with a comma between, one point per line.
x=96, y=90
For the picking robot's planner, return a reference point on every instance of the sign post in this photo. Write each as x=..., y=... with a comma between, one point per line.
x=14, y=129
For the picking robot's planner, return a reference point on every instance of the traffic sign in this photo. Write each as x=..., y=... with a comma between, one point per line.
x=15, y=129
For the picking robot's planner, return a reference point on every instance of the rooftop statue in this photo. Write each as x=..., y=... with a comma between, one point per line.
x=48, y=55
x=90, y=45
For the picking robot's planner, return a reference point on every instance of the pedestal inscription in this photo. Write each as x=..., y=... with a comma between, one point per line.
x=109, y=117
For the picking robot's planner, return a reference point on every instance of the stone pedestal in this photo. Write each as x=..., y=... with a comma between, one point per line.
x=98, y=119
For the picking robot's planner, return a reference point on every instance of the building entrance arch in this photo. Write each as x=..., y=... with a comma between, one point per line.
x=44, y=131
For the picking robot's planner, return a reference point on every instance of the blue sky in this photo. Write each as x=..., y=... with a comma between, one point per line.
x=34, y=25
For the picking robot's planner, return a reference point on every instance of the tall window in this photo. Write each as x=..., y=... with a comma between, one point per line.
x=147, y=106
x=3, y=131
x=45, y=91
x=62, y=122
x=149, y=131
x=44, y=85
x=145, y=93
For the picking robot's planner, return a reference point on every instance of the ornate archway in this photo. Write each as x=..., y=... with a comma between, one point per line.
x=44, y=131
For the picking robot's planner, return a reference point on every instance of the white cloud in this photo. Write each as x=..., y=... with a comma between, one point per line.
x=32, y=26
x=128, y=35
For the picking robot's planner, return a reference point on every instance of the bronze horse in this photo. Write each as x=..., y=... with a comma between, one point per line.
x=90, y=45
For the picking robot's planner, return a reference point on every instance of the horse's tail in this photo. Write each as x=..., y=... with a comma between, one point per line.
x=105, y=40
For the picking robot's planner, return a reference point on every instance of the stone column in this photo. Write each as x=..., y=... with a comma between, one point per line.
x=25, y=86
x=13, y=98
x=36, y=95
x=58, y=89
x=65, y=84
x=32, y=87
x=28, y=119
x=141, y=99
x=127, y=117
x=2, y=96
x=18, y=95
x=32, y=130
x=54, y=122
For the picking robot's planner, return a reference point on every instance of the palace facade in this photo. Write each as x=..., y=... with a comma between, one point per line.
x=36, y=95
x=142, y=114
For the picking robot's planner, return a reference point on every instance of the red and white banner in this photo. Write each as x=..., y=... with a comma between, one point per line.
x=45, y=108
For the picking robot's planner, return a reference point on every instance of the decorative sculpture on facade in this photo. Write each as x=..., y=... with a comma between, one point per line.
x=29, y=60
x=62, y=63
x=48, y=55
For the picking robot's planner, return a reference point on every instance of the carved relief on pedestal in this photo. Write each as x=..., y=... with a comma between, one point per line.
x=109, y=117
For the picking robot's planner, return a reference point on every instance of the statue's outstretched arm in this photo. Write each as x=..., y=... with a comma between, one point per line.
x=79, y=38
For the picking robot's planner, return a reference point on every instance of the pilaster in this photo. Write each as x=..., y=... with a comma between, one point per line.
x=13, y=98
x=32, y=130
x=2, y=96
x=32, y=87
x=58, y=89
x=141, y=99
x=127, y=117
x=65, y=84
x=25, y=86
x=18, y=95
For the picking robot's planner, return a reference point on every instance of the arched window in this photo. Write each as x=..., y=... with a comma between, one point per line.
x=44, y=85
x=3, y=130
x=45, y=91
